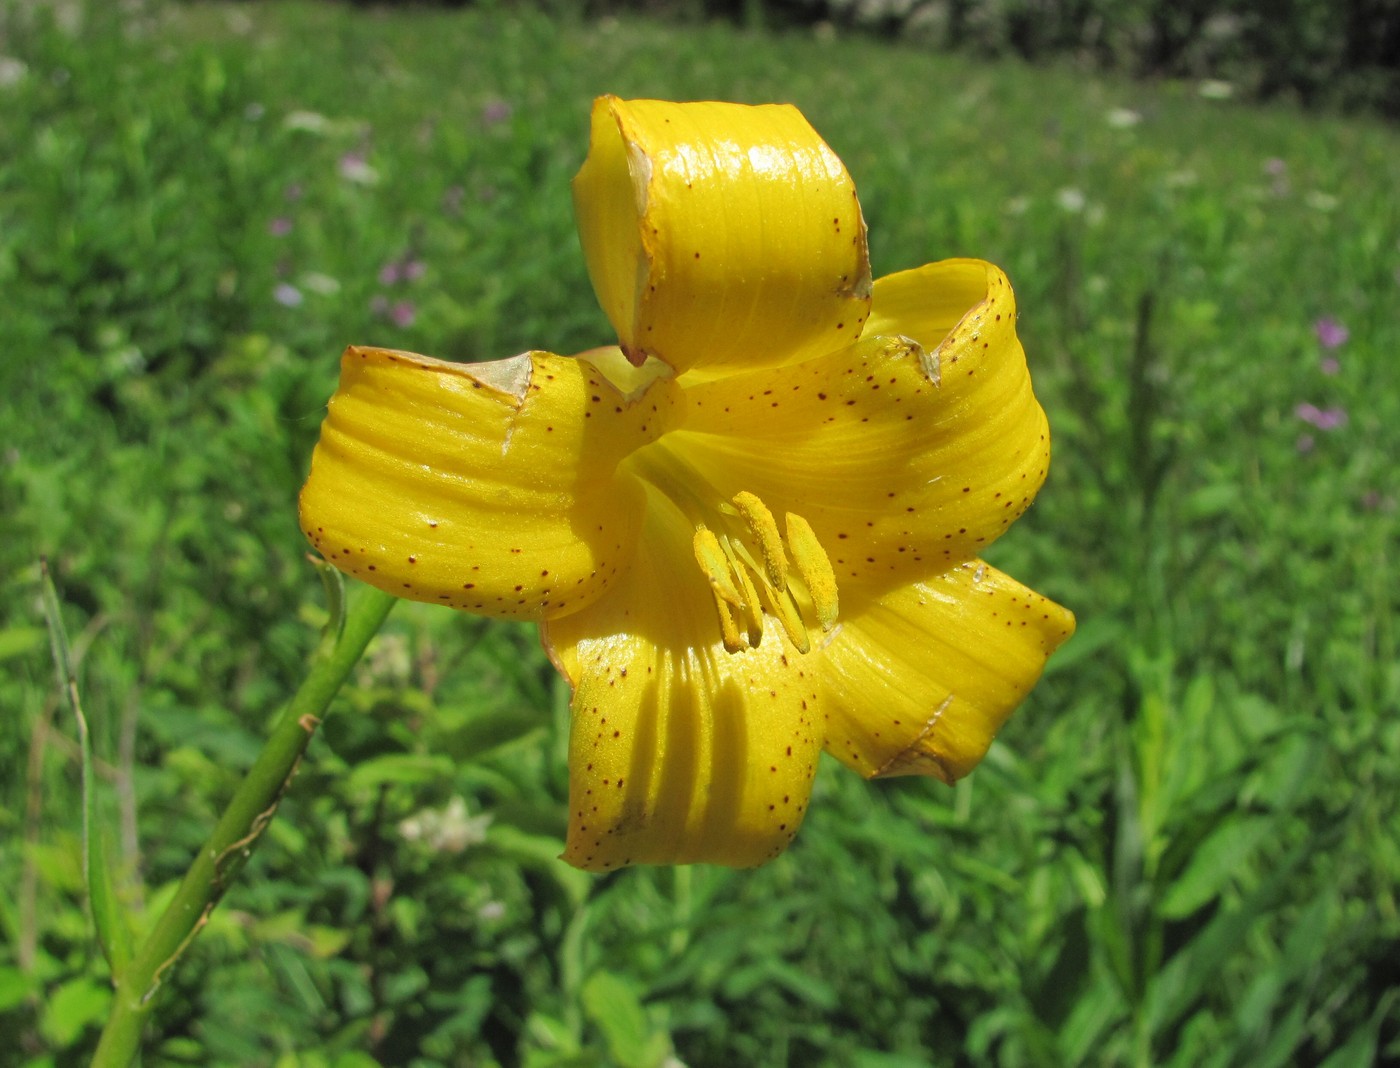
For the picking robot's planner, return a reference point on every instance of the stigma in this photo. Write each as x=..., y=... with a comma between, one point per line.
x=755, y=572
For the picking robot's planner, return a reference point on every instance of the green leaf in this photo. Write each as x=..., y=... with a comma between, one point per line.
x=1092, y=635
x=355, y=1059
x=113, y=936
x=1097, y=1010
x=551, y=1034
x=1360, y=1050
x=1055, y=994
x=333, y=582
x=400, y=769
x=1181, y=982
x=1268, y=1015
x=71, y=1009
x=19, y=641
x=15, y=987
x=1288, y=1033
x=613, y=1005
x=770, y=971
x=869, y=1058
x=324, y=942
x=482, y=734
x=540, y=852
x=1214, y=864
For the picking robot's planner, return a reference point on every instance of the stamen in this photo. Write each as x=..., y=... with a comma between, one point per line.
x=781, y=604
x=753, y=608
x=748, y=572
x=764, y=528
x=785, y=612
x=815, y=568
x=715, y=563
x=729, y=631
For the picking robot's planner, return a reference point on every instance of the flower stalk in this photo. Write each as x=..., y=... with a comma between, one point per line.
x=248, y=814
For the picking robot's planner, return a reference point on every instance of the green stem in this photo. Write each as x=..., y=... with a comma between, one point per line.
x=247, y=816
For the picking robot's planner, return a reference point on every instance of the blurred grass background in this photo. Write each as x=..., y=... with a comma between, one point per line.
x=1183, y=849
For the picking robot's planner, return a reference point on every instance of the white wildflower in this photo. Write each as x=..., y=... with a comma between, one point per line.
x=448, y=829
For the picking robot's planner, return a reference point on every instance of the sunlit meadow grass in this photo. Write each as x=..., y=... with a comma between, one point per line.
x=1182, y=850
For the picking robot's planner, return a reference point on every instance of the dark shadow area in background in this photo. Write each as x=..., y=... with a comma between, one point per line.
x=1320, y=54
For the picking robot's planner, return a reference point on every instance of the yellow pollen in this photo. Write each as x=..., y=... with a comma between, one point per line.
x=745, y=589
x=753, y=608
x=815, y=568
x=764, y=528
x=718, y=568
x=714, y=562
x=729, y=631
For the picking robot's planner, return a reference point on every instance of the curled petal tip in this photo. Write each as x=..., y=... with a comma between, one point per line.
x=709, y=251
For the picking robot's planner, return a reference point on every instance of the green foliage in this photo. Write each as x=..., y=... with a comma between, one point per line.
x=1183, y=849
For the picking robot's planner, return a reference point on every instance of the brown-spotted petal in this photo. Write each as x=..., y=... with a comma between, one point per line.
x=906, y=452
x=680, y=751
x=489, y=487
x=919, y=681
x=720, y=236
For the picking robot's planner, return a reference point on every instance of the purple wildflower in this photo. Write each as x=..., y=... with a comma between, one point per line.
x=280, y=226
x=355, y=167
x=401, y=313
x=1330, y=365
x=287, y=295
x=407, y=269
x=1330, y=333
x=1322, y=418
x=1306, y=443
x=495, y=111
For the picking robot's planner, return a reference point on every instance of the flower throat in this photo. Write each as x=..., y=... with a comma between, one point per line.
x=748, y=584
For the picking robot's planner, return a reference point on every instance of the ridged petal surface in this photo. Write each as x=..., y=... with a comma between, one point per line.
x=679, y=751
x=907, y=451
x=919, y=681
x=720, y=236
x=489, y=487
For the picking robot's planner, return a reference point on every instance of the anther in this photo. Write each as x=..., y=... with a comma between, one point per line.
x=749, y=576
x=713, y=561
x=815, y=568
x=764, y=528
x=753, y=608
x=729, y=631
x=720, y=570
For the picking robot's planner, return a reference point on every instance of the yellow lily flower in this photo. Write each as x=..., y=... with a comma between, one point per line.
x=750, y=530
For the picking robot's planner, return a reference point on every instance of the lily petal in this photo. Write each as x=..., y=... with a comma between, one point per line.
x=680, y=752
x=898, y=467
x=920, y=681
x=710, y=252
x=489, y=487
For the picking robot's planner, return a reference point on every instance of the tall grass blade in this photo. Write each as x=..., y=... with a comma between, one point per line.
x=107, y=920
x=1187, y=977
